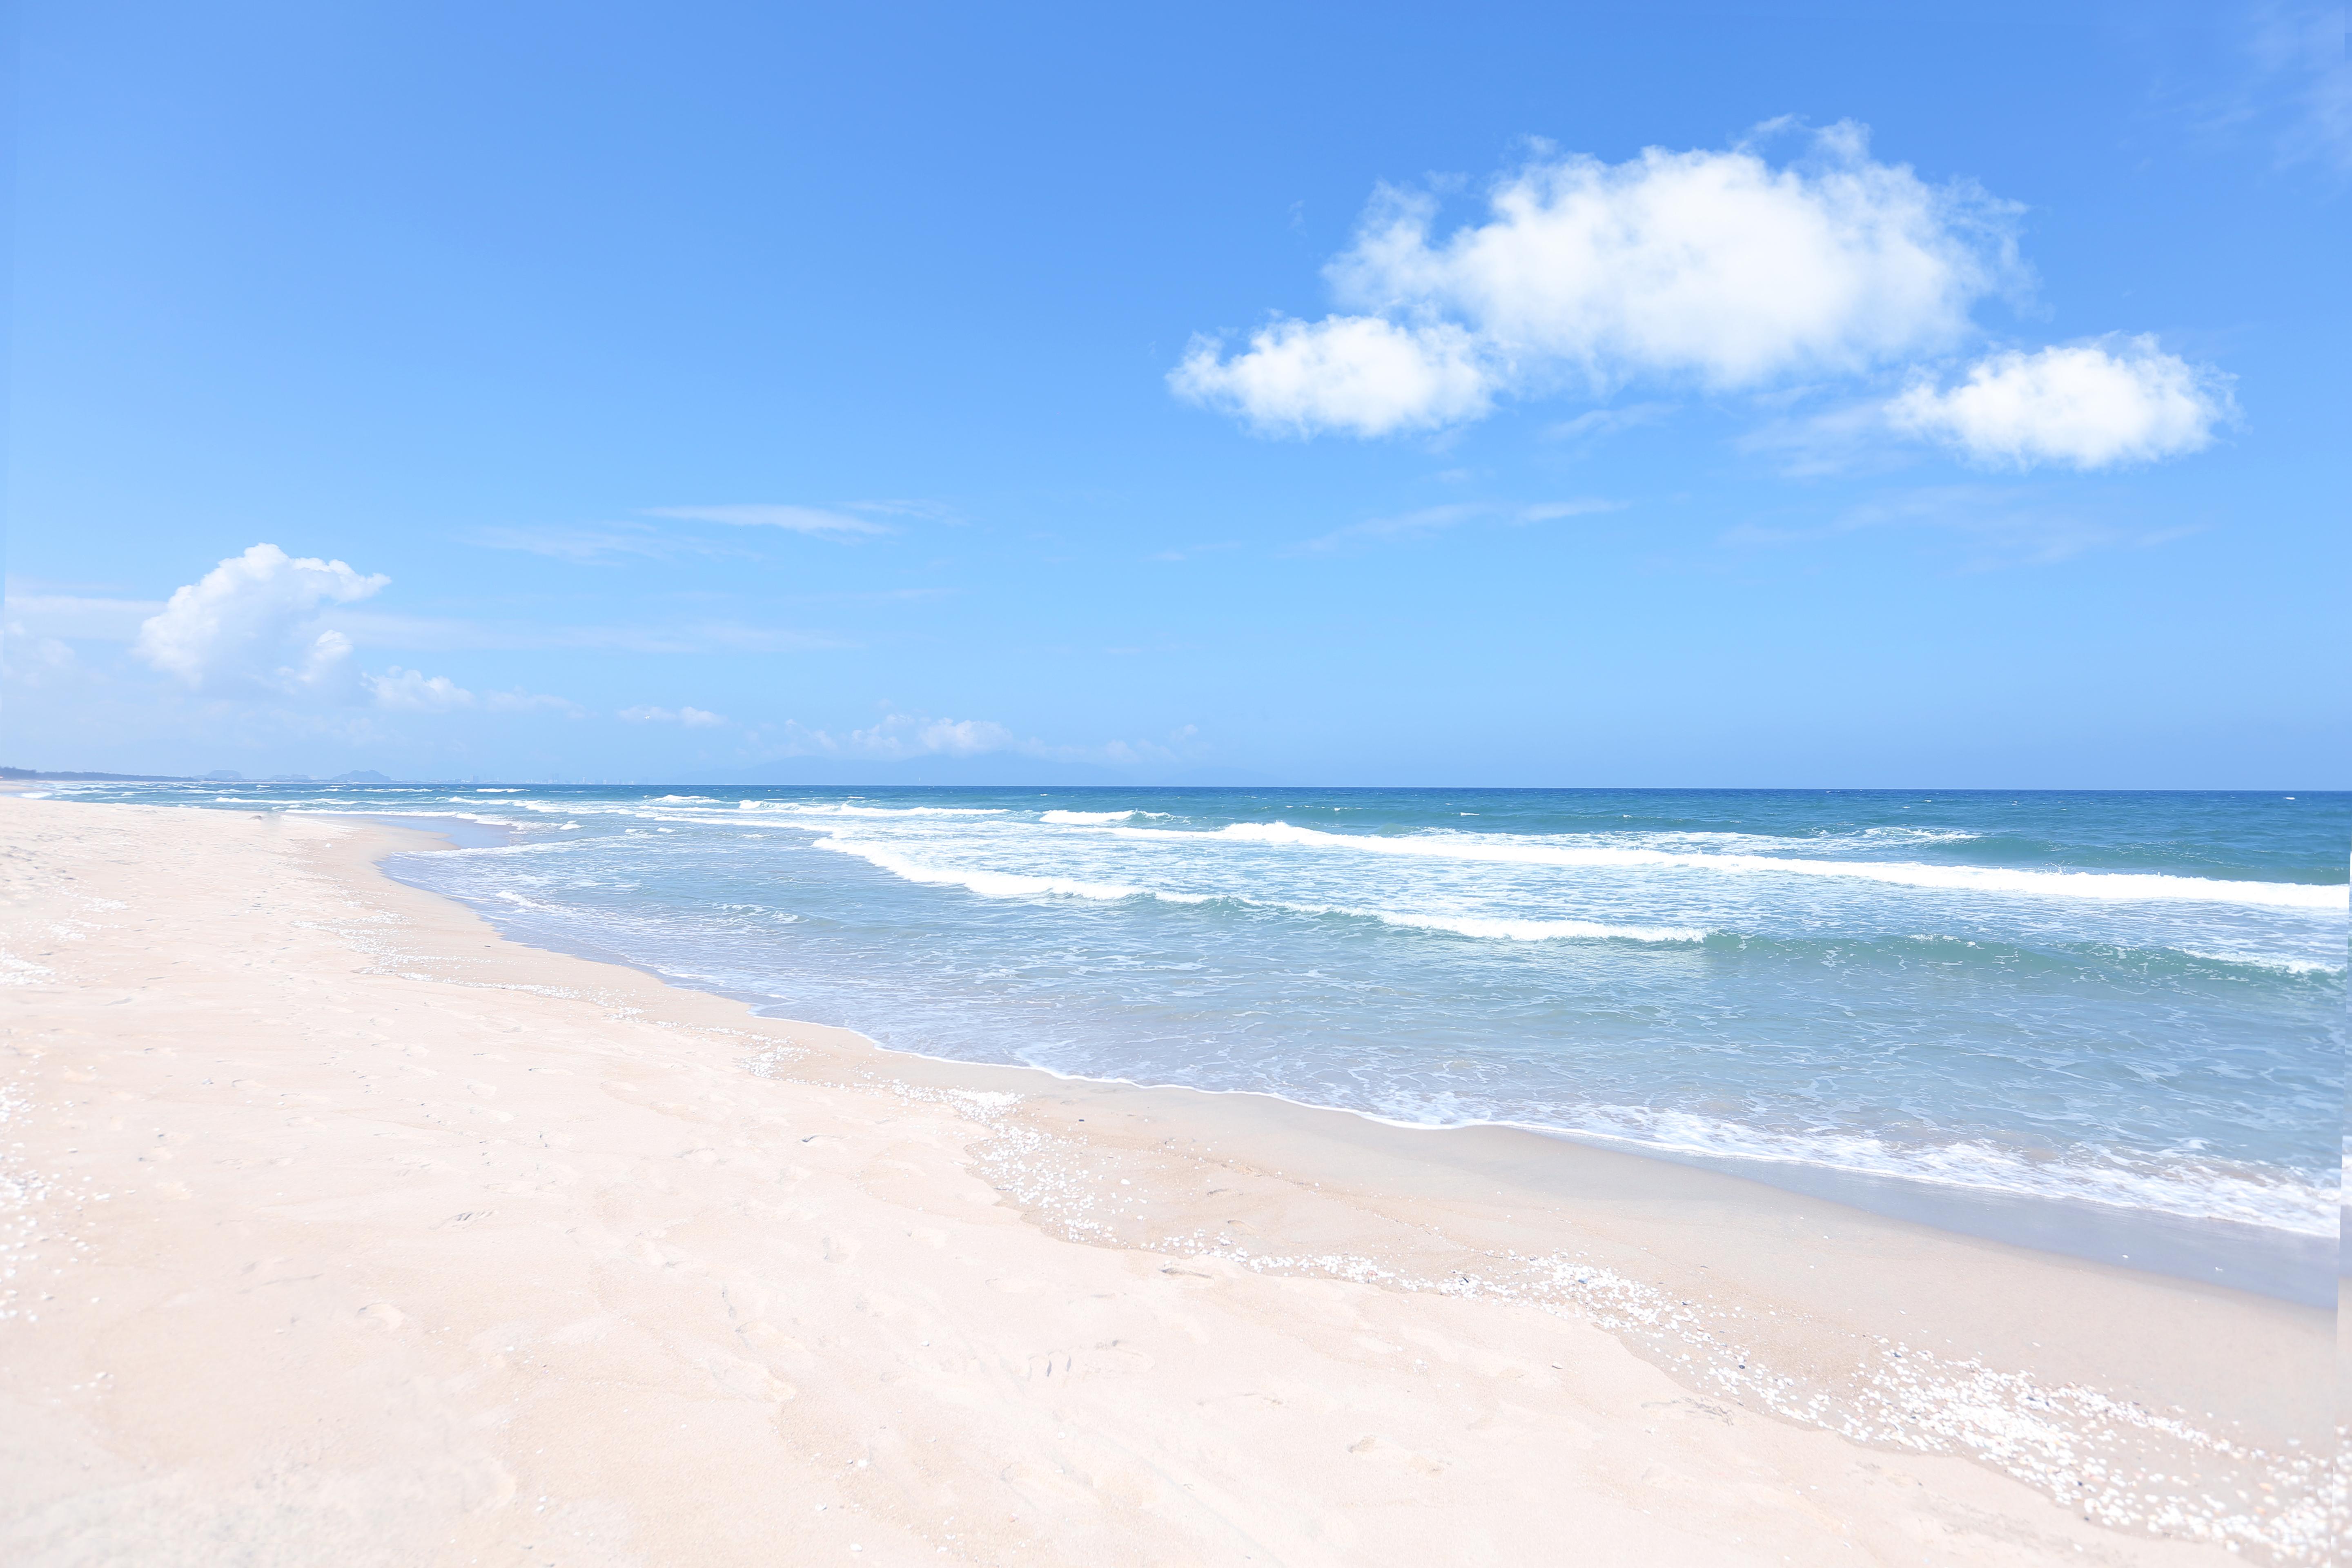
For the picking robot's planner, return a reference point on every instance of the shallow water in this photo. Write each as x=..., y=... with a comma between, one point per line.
x=2123, y=1002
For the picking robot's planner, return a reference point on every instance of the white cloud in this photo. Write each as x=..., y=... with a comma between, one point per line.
x=1360, y=374
x=264, y=624
x=29, y=659
x=1708, y=268
x=797, y=519
x=2089, y=407
x=1589, y=428
x=119, y=620
x=692, y=718
x=412, y=691
x=252, y=622
x=77, y=616
x=907, y=735
x=902, y=735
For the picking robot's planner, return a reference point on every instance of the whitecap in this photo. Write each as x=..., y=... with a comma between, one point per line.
x=1013, y=885
x=990, y=884
x=2120, y=886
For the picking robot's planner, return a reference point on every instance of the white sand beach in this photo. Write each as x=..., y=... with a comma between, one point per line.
x=337, y=1230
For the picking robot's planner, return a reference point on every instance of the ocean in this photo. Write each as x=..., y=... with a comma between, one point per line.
x=1984, y=1009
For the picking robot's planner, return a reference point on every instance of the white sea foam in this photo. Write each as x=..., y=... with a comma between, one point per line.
x=2182, y=1184
x=509, y=823
x=1093, y=818
x=1008, y=885
x=815, y=808
x=2273, y=962
x=2116, y=886
x=1529, y=930
x=990, y=884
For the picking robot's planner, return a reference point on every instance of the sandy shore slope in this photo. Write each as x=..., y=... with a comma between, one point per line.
x=344, y=1231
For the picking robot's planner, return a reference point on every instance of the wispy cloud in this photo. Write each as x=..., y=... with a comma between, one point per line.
x=691, y=718
x=912, y=508
x=604, y=543
x=1996, y=526
x=1589, y=429
x=793, y=518
x=79, y=615
x=1431, y=520
x=445, y=633
x=597, y=543
x=210, y=649
x=900, y=737
x=2301, y=54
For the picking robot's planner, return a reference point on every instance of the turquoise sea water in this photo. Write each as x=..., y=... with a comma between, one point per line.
x=2130, y=1001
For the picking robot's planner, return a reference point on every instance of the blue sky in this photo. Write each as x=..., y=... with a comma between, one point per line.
x=1692, y=395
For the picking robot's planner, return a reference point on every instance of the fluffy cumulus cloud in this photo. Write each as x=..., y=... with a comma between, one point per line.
x=2091, y=405
x=691, y=718
x=1710, y=268
x=251, y=622
x=412, y=692
x=1364, y=375
x=1718, y=271
x=255, y=626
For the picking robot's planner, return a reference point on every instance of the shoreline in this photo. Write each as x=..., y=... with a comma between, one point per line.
x=2286, y=1265
x=1779, y=1305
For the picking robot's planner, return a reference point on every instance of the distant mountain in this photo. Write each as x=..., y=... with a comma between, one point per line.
x=95, y=778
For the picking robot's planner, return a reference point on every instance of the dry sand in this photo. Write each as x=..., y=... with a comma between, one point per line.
x=336, y=1229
